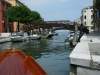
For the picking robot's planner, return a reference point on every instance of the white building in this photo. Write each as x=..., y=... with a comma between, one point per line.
x=78, y=21
x=87, y=17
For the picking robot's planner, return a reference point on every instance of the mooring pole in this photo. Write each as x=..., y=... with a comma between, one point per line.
x=75, y=34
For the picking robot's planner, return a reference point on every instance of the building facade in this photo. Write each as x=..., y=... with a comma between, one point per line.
x=87, y=17
x=16, y=3
x=96, y=17
x=78, y=21
x=5, y=25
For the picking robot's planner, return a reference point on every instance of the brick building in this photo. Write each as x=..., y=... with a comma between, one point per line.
x=5, y=25
x=16, y=3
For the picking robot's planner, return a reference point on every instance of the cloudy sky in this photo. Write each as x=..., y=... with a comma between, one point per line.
x=52, y=10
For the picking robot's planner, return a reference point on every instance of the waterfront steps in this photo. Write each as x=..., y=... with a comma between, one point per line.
x=85, y=57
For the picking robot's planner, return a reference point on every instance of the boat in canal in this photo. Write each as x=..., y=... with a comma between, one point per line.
x=5, y=37
x=70, y=38
x=55, y=33
x=44, y=37
x=34, y=37
x=50, y=34
x=17, y=38
x=15, y=62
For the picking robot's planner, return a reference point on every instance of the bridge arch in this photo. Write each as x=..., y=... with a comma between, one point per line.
x=66, y=24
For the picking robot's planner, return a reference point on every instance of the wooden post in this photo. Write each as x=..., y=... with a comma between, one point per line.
x=75, y=34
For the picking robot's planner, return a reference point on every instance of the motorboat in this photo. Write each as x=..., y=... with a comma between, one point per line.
x=17, y=38
x=15, y=62
x=5, y=37
x=44, y=37
x=50, y=34
x=55, y=33
x=70, y=38
x=34, y=37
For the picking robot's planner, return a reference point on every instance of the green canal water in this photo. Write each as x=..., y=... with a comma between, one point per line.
x=52, y=54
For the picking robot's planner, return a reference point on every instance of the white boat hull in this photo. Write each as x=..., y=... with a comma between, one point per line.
x=5, y=39
x=31, y=37
x=18, y=38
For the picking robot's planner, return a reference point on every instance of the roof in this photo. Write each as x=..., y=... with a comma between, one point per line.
x=89, y=7
x=6, y=2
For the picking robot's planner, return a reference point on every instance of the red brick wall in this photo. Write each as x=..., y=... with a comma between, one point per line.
x=1, y=16
x=3, y=21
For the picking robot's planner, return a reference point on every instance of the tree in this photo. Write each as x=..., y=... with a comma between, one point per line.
x=97, y=4
x=18, y=14
x=35, y=17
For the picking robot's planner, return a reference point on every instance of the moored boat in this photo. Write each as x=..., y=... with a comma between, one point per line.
x=15, y=62
x=44, y=37
x=34, y=37
x=50, y=34
x=17, y=38
x=70, y=38
x=55, y=33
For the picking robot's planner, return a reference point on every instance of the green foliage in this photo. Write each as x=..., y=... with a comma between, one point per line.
x=22, y=14
x=35, y=17
x=97, y=4
x=17, y=14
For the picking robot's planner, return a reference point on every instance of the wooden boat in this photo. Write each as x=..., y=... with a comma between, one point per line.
x=15, y=62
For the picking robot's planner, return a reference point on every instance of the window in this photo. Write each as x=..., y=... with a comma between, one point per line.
x=91, y=16
x=3, y=4
x=92, y=27
x=91, y=22
x=85, y=17
x=85, y=23
x=91, y=10
x=3, y=25
x=17, y=4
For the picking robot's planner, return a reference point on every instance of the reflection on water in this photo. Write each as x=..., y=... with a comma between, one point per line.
x=52, y=54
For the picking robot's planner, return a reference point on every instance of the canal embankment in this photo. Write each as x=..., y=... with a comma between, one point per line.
x=85, y=57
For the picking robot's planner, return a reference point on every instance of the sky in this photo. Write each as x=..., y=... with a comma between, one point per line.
x=52, y=10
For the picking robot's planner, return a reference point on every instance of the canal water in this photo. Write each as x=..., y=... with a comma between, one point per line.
x=52, y=54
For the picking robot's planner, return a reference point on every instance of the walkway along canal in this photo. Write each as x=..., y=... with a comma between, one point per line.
x=52, y=54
